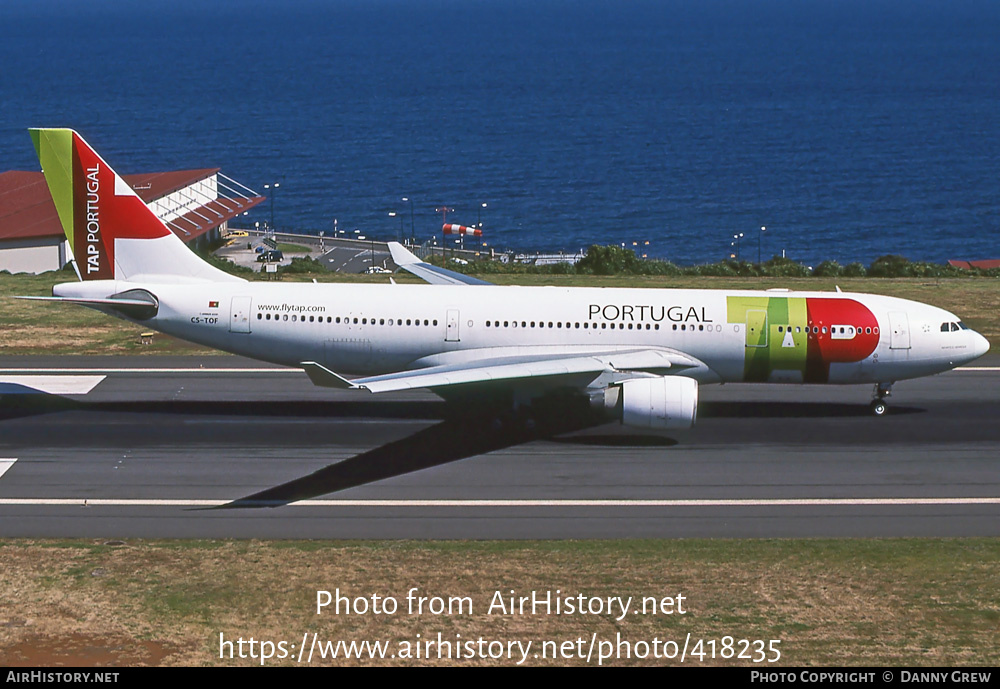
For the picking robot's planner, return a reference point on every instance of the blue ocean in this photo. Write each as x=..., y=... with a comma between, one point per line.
x=848, y=128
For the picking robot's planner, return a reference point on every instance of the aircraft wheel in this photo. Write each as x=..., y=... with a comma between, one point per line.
x=878, y=407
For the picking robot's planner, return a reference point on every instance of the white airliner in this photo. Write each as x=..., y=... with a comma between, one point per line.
x=637, y=355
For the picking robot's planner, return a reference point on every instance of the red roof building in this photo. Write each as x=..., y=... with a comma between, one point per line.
x=196, y=204
x=985, y=264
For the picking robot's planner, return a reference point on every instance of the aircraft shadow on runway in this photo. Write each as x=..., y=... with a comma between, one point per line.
x=449, y=441
x=453, y=440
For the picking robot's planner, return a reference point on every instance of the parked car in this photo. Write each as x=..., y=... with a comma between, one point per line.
x=270, y=256
x=370, y=270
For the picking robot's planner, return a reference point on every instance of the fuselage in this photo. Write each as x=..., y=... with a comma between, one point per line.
x=733, y=336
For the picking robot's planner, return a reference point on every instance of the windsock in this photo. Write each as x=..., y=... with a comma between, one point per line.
x=449, y=228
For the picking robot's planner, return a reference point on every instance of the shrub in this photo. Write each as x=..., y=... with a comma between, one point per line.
x=828, y=269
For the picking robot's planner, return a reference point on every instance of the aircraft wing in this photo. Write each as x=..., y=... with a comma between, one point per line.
x=510, y=366
x=425, y=271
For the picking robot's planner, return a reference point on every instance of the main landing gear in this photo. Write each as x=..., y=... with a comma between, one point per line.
x=878, y=406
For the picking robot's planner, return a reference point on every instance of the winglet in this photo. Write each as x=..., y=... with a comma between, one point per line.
x=400, y=256
x=323, y=377
x=427, y=272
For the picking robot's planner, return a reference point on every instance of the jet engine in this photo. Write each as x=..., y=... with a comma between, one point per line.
x=659, y=403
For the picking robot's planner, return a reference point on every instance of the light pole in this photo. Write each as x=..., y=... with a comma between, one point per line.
x=272, y=194
x=393, y=214
x=759, y=235
x=479, y=215
x=413, y=234
x=738, y=237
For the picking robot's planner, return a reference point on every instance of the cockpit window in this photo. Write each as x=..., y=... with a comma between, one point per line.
x=962, y=325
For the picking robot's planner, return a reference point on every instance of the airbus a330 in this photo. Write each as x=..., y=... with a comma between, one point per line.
x=636, y=355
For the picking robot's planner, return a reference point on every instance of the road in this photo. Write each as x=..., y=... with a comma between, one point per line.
x=224, y=447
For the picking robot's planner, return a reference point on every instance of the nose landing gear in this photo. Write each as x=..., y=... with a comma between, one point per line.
x=878, y=406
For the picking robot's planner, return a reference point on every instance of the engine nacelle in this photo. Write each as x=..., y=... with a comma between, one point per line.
x=660, y=403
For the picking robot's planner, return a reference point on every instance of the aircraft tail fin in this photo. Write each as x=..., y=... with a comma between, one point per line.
x=112, y=233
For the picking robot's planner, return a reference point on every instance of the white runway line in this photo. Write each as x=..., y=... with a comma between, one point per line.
x=788, y=502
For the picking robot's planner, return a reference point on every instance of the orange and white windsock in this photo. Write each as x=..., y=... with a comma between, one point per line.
x=449, y=228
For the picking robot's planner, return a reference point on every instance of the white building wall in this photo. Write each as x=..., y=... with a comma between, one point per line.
x=33, y=255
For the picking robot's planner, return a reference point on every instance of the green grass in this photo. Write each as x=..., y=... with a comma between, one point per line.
x=894, y=602
x=292, y=248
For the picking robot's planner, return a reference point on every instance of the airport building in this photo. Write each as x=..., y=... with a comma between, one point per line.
x=196, y=204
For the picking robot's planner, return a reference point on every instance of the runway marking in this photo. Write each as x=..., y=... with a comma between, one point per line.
x=977, y=368
x=6, y=464
x=749, y=502
x=51, y=384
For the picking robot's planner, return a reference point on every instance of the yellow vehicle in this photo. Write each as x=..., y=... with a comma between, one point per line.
x=238, y=233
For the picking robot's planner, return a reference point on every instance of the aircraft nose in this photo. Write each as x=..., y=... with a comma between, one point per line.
x=980, y=345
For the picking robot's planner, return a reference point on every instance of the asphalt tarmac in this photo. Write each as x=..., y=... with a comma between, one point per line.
x=190, y=447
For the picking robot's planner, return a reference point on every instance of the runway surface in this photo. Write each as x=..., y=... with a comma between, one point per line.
x=193, y=447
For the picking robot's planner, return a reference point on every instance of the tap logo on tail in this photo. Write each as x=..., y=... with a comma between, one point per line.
x=95, y=206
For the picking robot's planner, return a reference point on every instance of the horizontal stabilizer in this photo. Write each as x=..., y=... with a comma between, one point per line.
x=140, y=305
